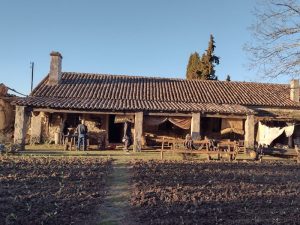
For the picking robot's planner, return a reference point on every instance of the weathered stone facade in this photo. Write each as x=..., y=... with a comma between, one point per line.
x=21, y=125
x=6, y=121
x=36, y=128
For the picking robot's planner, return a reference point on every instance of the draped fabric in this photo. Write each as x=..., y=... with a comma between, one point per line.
x=182, y=122
x=232, y=126
x=153, y=121
x=123, y=119
x=289, y=130
x=266, y=135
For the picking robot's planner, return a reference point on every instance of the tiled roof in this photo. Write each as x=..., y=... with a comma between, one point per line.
x=114, y=92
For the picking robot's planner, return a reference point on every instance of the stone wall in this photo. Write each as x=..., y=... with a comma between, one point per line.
x=35, y=128
x=55, y=125
x=21, y=125
x=45, y=137
x=50, y=123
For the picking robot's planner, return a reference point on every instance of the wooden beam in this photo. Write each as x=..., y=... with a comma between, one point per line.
x=168, y=114
x=262, y=118
x=80, y=112
x=231, y=116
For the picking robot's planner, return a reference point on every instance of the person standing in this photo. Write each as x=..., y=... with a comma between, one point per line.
x=188, y=143
x=82, y=134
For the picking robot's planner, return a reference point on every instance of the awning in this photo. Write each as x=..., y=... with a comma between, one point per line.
x=123, y=119
x=232, y=126
x=182, y=122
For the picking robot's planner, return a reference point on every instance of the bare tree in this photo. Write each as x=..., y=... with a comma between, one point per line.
x=275, y=49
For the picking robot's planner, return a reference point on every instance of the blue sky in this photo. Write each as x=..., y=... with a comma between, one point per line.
x=134, y=37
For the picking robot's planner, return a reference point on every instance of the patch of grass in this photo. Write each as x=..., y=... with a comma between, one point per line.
x=122, y=156
x=119, y=155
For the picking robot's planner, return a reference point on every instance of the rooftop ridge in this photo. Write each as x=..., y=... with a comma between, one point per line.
x=168, y=78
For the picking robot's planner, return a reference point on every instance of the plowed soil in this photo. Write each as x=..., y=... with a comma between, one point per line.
x=215, y=193
x=51, y=190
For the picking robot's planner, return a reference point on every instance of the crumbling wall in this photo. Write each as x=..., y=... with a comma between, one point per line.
x=97, y=132
x=55, y=125
x=7, y=116
x=35, y=128
x=45, y=127
x=52, y=123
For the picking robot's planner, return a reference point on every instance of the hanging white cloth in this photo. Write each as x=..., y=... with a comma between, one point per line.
x=268, y=134
x=289, y=130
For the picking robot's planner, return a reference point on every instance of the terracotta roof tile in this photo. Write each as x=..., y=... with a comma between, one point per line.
x=107, y=92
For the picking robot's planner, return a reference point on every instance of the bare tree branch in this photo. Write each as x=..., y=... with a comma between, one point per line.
x=275, y=47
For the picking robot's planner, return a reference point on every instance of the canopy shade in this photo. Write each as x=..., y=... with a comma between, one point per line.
x=232, y=126
x=182, y=122
x=123, y=119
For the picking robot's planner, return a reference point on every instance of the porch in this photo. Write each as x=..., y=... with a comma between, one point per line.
x=145, y=128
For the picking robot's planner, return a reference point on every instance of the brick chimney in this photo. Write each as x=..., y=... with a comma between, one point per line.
x=294, y=93
x=55, y=68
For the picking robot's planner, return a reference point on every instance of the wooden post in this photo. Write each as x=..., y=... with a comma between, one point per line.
x=290, y=138
x=249, y=131
x=138, y=131
x=161, y=155
x=21, y=121
x=196, y=126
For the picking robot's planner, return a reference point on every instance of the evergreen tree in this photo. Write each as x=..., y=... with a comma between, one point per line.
x=228, y=78
x=192, y=67
x=208, y=61
x=203, y=68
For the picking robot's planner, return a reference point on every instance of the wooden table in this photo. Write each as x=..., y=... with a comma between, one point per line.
x=69, y=140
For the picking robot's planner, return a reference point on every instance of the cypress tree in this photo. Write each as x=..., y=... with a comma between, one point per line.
x=209, y=60
x=192, y=67
x=203, y=68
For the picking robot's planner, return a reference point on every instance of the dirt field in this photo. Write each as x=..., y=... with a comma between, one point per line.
x=51, y=190
x=215, y=193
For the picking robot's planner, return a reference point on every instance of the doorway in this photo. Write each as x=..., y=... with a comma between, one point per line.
x=115, y=133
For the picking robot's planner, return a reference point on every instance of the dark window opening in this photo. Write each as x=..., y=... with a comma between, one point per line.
x=116, y=130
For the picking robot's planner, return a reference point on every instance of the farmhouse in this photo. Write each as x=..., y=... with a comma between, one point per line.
x=150, y=107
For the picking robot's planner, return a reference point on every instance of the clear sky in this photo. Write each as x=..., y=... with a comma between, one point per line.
x=133, y=37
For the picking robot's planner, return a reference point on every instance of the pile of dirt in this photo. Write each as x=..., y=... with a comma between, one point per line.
x=51, y=190
x=215, y=193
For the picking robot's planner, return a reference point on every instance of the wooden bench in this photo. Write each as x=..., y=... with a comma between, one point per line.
x=203, y=144
x=178, y=147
